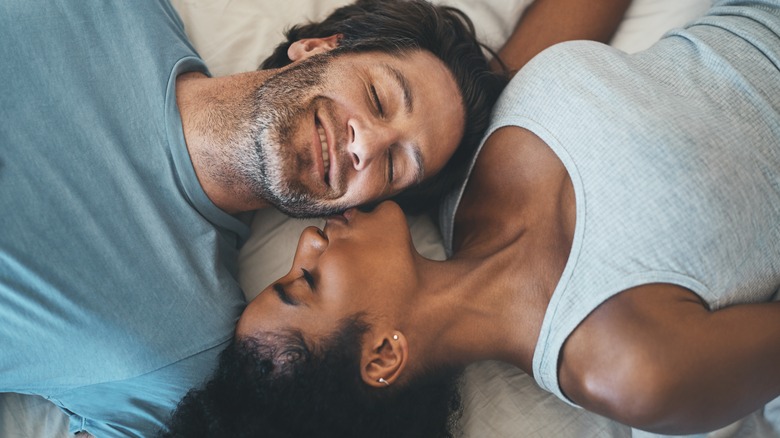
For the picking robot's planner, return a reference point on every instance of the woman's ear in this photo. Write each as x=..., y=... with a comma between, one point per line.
x=384, y=358
x=307, y=47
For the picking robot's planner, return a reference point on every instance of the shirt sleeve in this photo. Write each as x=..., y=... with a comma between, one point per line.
x=136, y=407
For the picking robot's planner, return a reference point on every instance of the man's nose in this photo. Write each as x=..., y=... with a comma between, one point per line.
x=369, y=141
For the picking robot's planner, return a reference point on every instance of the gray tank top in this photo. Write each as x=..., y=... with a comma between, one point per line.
x=674, y=154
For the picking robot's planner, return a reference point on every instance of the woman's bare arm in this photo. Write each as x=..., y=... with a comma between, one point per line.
x=547, y=22
x=656, y=358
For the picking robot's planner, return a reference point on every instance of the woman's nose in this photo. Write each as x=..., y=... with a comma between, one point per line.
x=311, y=244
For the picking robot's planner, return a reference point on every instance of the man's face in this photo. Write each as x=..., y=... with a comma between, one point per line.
x=333, y=132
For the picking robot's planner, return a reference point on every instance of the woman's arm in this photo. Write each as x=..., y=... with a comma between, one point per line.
x=547, y=22
x=654, y=357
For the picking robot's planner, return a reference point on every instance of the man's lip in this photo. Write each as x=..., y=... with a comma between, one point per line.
x=330, y=138
x=318, y=149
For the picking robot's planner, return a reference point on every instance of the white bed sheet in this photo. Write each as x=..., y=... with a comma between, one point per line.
x=499, y=400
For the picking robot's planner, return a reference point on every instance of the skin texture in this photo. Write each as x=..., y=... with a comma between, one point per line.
x=254, y=138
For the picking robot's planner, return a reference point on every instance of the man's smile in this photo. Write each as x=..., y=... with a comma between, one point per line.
x=324, y=149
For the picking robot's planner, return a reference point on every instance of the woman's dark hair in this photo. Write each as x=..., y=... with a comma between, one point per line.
x=279, y=386
x=397, y=26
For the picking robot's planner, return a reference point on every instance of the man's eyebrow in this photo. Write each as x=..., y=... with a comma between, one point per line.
x=283, y=296
x=404, y=85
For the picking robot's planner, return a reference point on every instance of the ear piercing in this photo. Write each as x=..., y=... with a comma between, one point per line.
x=382, y=379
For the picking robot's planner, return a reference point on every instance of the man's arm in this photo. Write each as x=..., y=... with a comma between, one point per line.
x=656, y=358
x=547, y=22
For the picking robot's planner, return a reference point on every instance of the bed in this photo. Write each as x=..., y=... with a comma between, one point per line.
x=499, y=400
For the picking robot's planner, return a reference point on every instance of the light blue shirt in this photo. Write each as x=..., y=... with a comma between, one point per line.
x=117, y=274
x=674, y=155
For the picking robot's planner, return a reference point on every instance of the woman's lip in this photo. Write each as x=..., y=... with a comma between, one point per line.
x=331, y=221
x=341, y=219
x=336, y=218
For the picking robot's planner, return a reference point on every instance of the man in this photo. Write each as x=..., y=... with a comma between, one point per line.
x=122, y=166
x=368, y=125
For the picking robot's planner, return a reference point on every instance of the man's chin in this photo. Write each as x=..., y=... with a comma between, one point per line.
x=303, y=209
x=296, y=200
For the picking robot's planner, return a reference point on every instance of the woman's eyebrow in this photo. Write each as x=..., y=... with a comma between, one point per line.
x=283, y=296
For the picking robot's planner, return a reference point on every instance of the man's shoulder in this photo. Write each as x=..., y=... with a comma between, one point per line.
x=138, y=406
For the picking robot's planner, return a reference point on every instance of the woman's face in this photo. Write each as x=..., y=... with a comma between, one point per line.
x=361, y=262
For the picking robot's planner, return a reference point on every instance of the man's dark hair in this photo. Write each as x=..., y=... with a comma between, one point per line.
x=277, y=385
x=396, y=26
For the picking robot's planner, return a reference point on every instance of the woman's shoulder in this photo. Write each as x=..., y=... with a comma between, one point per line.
x=623, y=359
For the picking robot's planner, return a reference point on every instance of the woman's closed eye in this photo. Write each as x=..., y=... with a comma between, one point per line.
x=309, y=278
x=283, y=295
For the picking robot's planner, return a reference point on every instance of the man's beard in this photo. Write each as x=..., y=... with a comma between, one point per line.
x=267, y=162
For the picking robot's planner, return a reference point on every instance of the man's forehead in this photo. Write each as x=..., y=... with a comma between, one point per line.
x=401, y=57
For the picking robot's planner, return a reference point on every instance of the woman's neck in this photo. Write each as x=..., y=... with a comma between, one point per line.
x=471, y=311
x=514, y=232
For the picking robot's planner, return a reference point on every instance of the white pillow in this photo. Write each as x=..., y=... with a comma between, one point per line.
x=235, y=35
x=646, y=21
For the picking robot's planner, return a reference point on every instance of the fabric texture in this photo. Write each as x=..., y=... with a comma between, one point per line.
x=674, y=154
x=118, y=280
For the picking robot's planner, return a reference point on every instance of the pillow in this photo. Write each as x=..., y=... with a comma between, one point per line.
x=646, y=21
x=236, y=35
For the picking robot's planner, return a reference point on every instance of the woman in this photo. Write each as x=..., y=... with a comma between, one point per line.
x=618, y=239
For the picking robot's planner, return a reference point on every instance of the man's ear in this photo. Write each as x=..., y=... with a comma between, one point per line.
x=307, y=47
x=384, y=358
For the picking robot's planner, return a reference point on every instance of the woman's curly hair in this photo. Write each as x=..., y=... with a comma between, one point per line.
x=277, y=385
x=397, y=26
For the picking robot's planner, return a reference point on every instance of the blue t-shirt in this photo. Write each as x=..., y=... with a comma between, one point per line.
x=674, y=157
x=117, y=274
